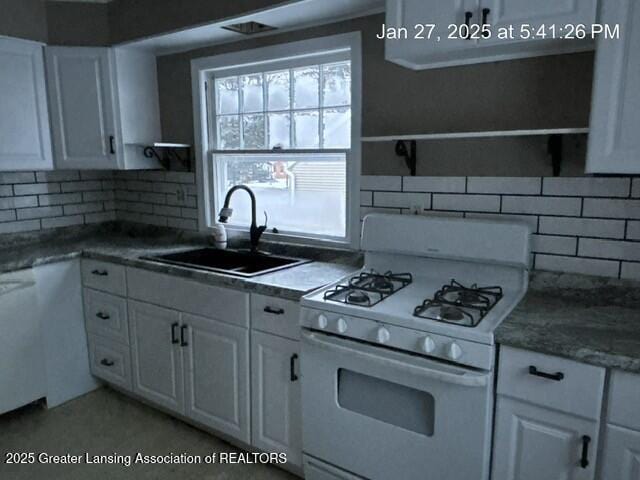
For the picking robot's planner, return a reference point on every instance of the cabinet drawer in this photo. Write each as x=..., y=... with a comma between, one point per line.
x=106, y=315
x=553, y=382
x=223, y=304
x=624, y=400
x=275, y=315
x=317, y=470
x=104, y=276
x=110, y=361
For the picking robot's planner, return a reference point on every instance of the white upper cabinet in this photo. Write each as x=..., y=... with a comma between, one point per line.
x=104, y=107
x=25, y=142
x=459, y=32
x=614, y=143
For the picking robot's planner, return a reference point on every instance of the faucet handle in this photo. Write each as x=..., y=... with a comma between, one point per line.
x=266, y=219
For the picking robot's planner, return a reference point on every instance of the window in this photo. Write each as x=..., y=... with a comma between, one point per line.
x=279, y=120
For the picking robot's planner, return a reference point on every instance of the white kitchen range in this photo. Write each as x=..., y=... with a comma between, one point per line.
x=399, y=358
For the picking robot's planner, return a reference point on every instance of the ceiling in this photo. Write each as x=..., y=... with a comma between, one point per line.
x=290, y=16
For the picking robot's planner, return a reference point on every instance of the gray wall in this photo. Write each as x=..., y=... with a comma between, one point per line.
x=543, y=92
x=23, y=19
x=74, y=23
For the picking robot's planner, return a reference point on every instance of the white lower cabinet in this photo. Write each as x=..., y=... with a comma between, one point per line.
x=621, y=454
x=533, y=443
x=156, y=355
x=216, y=373
x=276, y=396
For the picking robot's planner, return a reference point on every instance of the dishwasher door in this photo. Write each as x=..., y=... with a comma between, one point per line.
x=22, y=365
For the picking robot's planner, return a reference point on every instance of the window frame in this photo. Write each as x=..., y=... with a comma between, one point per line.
x=286, y=55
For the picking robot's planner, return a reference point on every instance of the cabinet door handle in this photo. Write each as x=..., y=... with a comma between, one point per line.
x=107, y=363
x=174, y=333
x=100, y=273
x=103, y=316
x=549, y=376
x=183, y=336
x=274, y=311
x=485, y=17
x=467, y=22
x=584, y=460
x=292, y=367
x=112, y=148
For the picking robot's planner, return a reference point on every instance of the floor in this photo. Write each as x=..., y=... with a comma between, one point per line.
x=106, y=422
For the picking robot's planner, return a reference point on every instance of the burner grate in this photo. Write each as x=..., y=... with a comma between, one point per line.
x=460, y=305
x=368, y=288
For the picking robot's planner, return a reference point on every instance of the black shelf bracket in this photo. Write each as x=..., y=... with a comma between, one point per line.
x=171, y=153
x=409, y=154
x=554, y=148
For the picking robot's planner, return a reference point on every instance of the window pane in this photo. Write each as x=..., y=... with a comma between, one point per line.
x=279, y=130
x=227, y=95
x=336, y=128
x=253, y=131
x=300, y=193
x=251, y=93
x=278, y=97
x=305, y=129
x=336, y=84
x=228, y=132
x=305, y=87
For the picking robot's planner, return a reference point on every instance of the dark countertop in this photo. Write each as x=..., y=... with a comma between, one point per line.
x=125, y=247
x=594, y=320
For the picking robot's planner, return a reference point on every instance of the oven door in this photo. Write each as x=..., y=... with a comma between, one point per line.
x=382, y=414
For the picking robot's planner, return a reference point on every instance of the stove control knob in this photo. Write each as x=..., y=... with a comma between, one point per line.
x=428, y=345
x=341, y=325
x=321, y=322
x=383, y=335
x=454, y=352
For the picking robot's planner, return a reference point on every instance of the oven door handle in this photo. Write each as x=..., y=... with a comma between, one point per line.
x=376, y=356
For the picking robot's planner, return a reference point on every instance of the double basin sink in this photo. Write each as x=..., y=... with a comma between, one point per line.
x=242, y=263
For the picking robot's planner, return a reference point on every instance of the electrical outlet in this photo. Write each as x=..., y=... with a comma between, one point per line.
x=181, y=195
x=416, y=204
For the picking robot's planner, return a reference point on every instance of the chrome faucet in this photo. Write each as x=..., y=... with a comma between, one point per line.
x=255, y=231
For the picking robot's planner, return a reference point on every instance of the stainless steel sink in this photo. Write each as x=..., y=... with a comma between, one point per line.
x=242, y=263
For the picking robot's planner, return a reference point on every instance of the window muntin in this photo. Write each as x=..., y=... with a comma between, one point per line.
x=303, y=107
x=303, y=194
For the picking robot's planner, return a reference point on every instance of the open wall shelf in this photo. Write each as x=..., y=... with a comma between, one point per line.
x=485, y=134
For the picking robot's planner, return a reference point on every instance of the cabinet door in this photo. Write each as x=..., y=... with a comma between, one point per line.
x=621, y=454
x=614, y=143
x=275, y=385
x=25, y=142
x=527, y=14
x=412, y=52
x=533, y=443
x=156, y=355
x=82, y=107
x=217, y=375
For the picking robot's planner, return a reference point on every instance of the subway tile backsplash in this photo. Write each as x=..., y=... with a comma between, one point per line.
x=588, y=225
x=41, y=200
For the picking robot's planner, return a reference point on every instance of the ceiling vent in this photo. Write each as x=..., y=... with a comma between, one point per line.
x=249, y=28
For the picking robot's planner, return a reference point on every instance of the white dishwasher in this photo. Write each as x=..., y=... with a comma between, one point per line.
x=22, y=356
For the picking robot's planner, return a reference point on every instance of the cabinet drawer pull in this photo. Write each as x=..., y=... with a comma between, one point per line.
x=549, y=376
x=292, y=367
x=100, y=273
x=103, y=316
x=467, y=22
x=584, y=460
x=174, y=333
x=274, y=311
x=183, y=336
x=112, y=149
x=107, y=363
x=485, y=17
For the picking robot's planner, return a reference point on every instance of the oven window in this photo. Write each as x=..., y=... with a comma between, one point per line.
x=388, y=402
